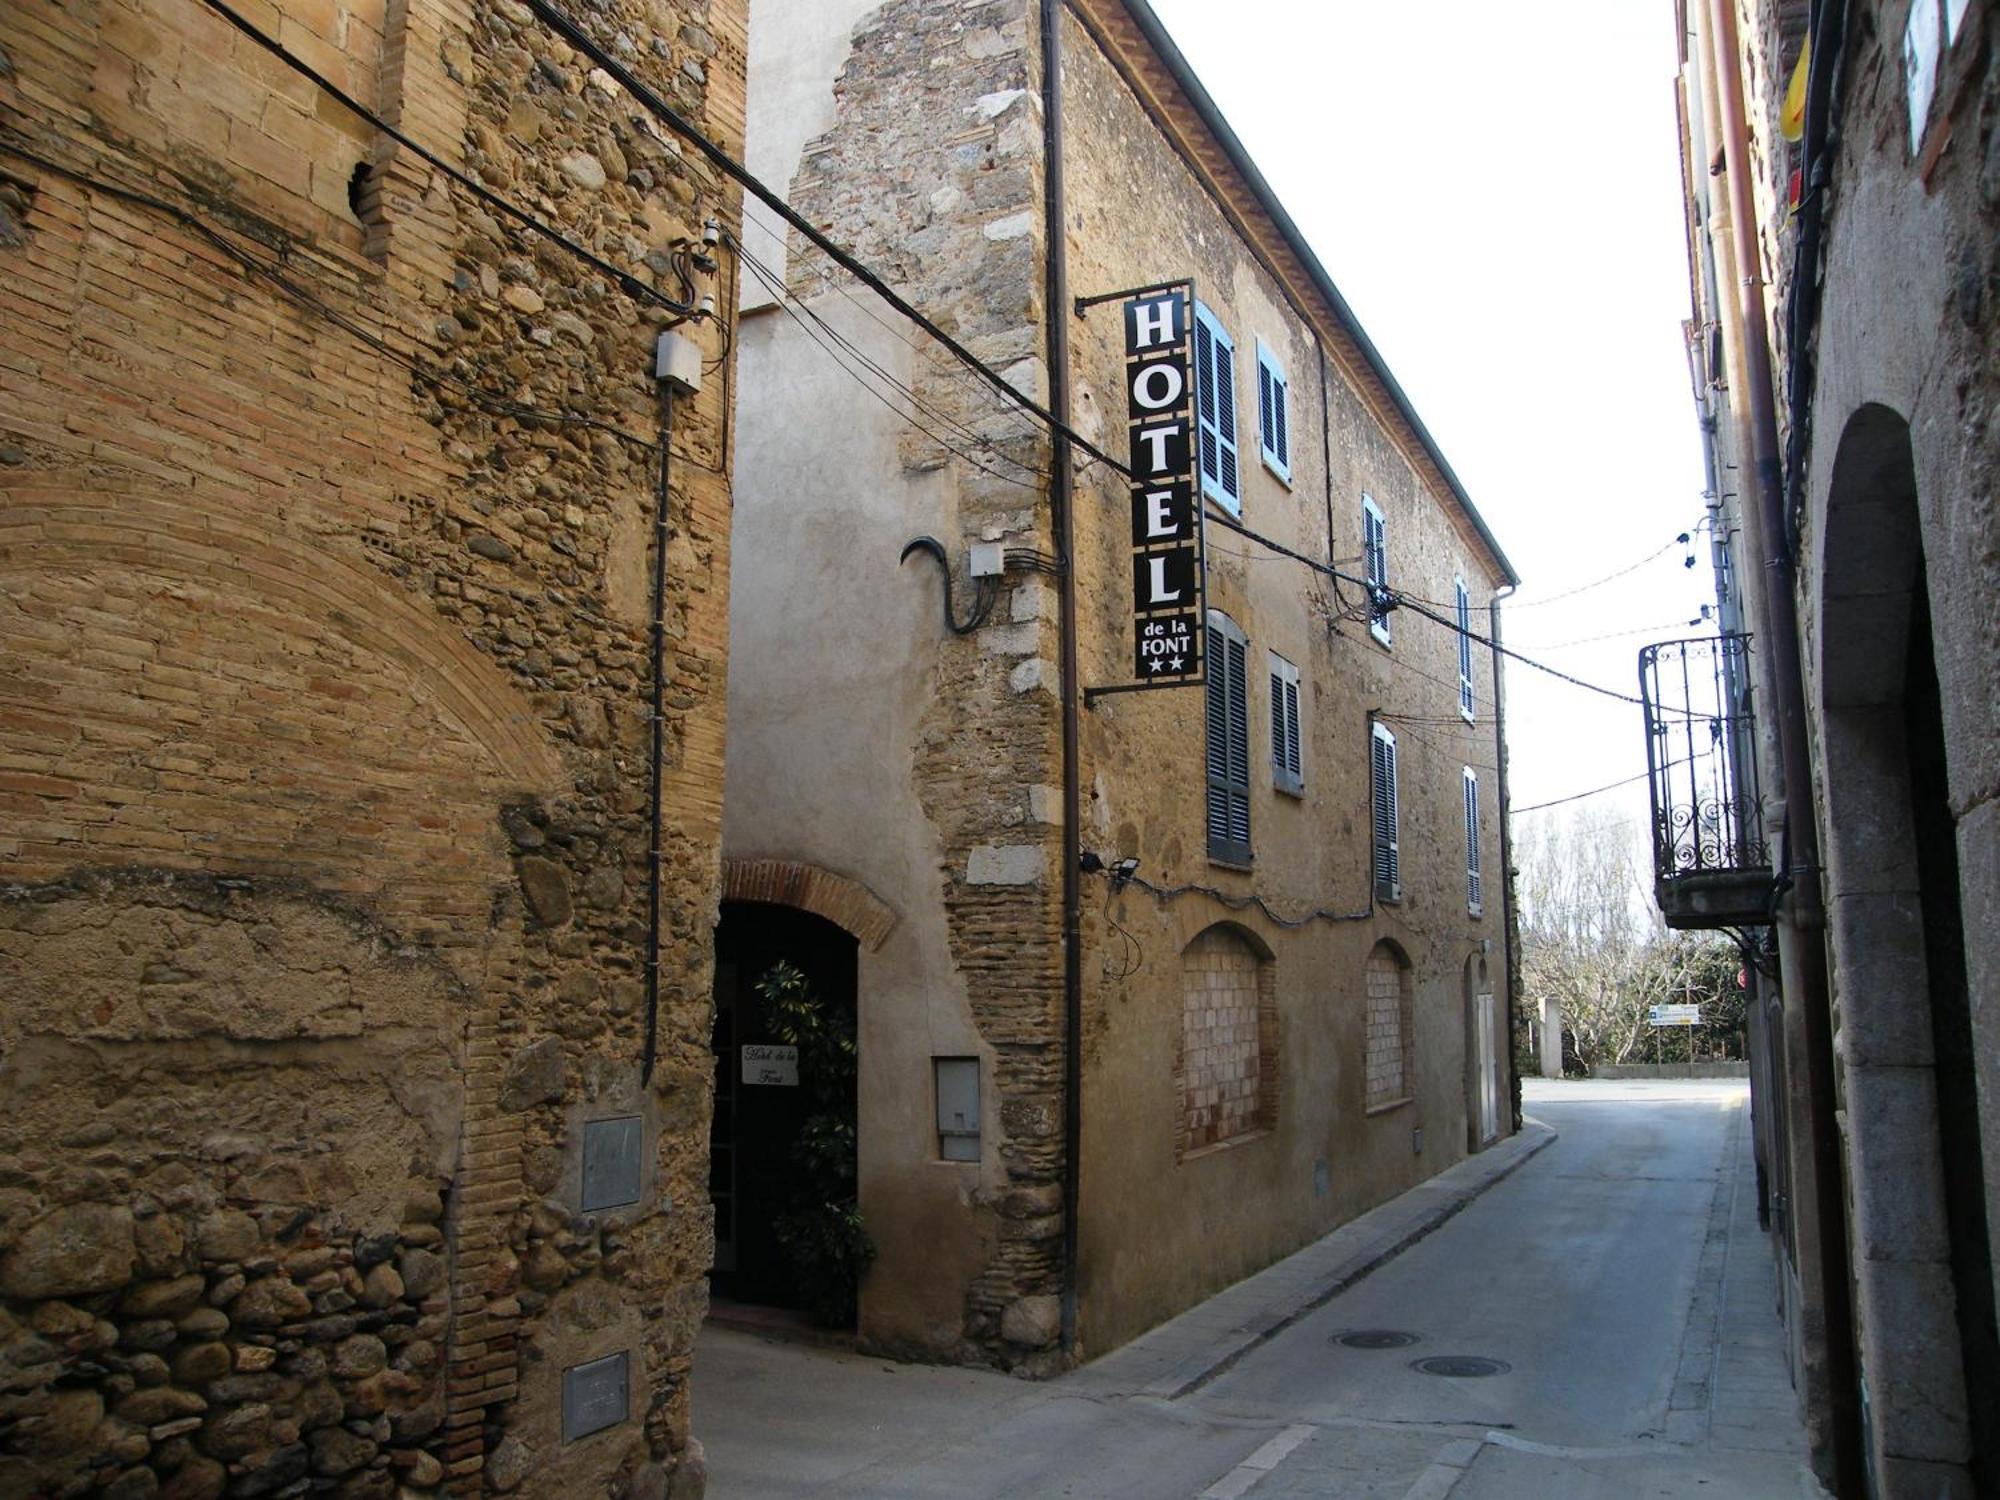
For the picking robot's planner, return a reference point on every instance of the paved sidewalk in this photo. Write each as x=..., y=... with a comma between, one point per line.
x=783, y=1419
x=1185, y=1353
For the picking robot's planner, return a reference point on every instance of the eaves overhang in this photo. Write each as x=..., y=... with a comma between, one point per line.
x=1159, y=70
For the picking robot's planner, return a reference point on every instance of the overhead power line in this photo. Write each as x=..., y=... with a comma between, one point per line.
x=573, y=34
x=624, y=279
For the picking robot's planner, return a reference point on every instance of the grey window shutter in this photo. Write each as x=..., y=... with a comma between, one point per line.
x=1473, y=893
x=1282, y=421
x=1292, y=761
x=1225, y=418
x=1228, y=748
x=1388, y=884
x=1465, y=700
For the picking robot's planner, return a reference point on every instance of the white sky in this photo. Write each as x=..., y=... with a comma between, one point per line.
x=1496, y=191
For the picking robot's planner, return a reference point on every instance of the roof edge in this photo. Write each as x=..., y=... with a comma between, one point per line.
x=1184, y=78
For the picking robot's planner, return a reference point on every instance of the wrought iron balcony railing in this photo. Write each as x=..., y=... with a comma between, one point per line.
x=1711, y=862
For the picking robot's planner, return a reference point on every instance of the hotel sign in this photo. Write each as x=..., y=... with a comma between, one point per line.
x=1168, y=579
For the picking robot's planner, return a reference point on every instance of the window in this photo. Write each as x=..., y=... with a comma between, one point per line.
x=1226, y=1071
x=1215, y=410
x=1375, y=554
x=1390, y=1040
x=1473, y=903
x=1464, y=650
x=1287, y=773
x=1382, y=786
x=1228, y=742
x=1274, y=413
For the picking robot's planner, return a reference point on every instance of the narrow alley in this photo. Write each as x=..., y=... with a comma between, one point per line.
x=1613, y=1282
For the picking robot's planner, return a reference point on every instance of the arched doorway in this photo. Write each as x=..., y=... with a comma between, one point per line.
x=772, y=1130
x=1923, y=1275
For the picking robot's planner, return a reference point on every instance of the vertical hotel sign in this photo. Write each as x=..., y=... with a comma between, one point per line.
x=1168, y=579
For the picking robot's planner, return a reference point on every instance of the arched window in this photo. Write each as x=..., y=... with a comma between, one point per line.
x=1391, y=1040
x=1227, y=1067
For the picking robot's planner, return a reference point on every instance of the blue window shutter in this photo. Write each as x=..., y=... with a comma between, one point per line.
x=1204, y=385
x=1215, y=410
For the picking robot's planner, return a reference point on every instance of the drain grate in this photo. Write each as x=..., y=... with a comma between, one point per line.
x=1375, y=1338
x=1461, y=1366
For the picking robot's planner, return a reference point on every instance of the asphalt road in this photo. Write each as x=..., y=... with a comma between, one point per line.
x=1618, y=1277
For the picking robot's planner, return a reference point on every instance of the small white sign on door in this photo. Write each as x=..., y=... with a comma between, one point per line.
x=771, y=1065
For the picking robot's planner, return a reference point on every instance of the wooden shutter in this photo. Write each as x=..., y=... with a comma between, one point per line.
x=1375, y=552
x=1228, y=745
x=1287, y=769
x=1472, y=882
x=1274, y=413
x=1464, y=651
x=1388, y=869
x=1215, y=410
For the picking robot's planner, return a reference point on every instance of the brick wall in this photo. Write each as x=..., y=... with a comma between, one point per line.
x=324, y=696
x=1228, y=1042
x=1391, y=1040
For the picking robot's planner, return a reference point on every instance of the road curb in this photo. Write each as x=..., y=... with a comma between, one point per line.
x=1185, y=1381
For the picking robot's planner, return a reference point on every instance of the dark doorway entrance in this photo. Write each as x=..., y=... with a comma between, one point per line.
x=754, y=1167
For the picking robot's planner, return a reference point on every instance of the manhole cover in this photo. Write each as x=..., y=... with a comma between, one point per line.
x=1375, y=1338
x=1461, y=1366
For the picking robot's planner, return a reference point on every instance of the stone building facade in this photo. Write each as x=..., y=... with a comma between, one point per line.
x=1846, y=272
x=904, y=781
x=329, y=487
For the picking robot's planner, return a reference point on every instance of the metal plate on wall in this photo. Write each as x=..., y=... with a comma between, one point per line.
x=596, y=1395
x=611, y=1162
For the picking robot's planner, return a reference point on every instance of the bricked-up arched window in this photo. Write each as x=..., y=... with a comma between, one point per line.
x=1226, y=1070
x=1391, y=1069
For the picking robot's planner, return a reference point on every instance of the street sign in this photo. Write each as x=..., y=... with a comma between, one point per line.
x=1676, y=1015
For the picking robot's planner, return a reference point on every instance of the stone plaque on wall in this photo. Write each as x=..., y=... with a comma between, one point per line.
x=596, y=1395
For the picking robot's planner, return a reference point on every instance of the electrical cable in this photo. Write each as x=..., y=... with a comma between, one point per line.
x=799, y=308
x=486, y=400
x=1609, y=786
x=1133, y=956
x=788, y=303
x=565, y=27
x=1245, y=903
x=624, y=280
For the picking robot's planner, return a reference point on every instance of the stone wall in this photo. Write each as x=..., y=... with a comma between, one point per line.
x=326, y=499
x=942, y=102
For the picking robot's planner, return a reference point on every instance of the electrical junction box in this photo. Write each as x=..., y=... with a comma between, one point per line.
x=677, y=360
x=989, y=560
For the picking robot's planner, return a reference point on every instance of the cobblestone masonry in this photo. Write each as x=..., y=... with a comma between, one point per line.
x=323, y=734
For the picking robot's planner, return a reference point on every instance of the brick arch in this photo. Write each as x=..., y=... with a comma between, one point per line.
x=848, y=904
x=161, y=537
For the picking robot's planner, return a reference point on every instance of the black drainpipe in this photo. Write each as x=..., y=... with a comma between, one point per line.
x=659, y=738
x=1061, y=501
x=1509, y=914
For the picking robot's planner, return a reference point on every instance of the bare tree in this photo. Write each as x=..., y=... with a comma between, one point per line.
x=1592, y=938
